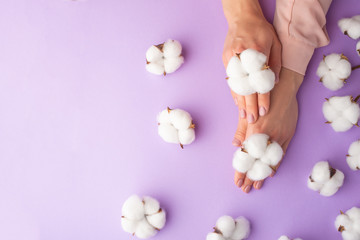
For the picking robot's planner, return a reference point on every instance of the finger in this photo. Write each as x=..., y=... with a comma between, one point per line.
x=239, y=178
x=275, y=59
x=264, y=103
x=240, y=102
x=246, y=187
x=251, y=108
x=240, y=132
x=284, y=147
x=258, y=184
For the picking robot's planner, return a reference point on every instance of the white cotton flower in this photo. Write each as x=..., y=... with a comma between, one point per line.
x=142, y=217
x=353, y=157
x=176, y=126
x=341, y=112
x=248, y=73
x=350, y=26
x=227, y=228
x=287, y=238
x=325, y=179
x=258, y=157
x=164, y=58
x=349, y=224
x=333, y=70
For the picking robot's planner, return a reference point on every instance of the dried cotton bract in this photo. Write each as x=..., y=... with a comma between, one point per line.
x=228, y=228
x=325, y=179
x=164, y=58
x=142, y=217
x=353, y=157
x=287, y=238
x=350, y=26
x=341, y=112
x=258, y=157
x=333, y=71
x=358, y=48
x=349, y=224
x=248, y=73
x=176, y=126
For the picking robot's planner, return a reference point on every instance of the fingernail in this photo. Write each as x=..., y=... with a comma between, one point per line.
x=242, y=113
x=262, y=111
x=240, y=182
x=250, y=118
x=247, y=189
x=276, y=79
x=258, y=185
x=236, y=142
x=236, y=101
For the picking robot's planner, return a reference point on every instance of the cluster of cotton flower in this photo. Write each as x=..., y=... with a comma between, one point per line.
x=325, y=179
x=176, y=126
x=350, y=26
x=341, y=112
x=164, y=58
x=349, y=224
x=287, y=238
x=248, y=73
x=353, y=157
x=258, y=157
x=333, y=71
x=142, y=217
x=227, y=228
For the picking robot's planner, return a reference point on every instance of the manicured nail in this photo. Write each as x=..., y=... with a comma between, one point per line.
x=236, y=101
x=247, y=189
x=240, y=182
x=258, y=185
x=242, y=113
x=236, y=142
x=262, y=111
x=250, y=118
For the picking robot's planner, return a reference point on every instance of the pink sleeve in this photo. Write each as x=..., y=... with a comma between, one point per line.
x=300, y=25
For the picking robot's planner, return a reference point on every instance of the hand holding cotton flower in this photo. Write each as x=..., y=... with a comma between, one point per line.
x=142, y=217
x=287, y=238
x=353, y=157
x=348, y=224
x=350, y=26
x=227, y=228
x=176, y=126
x=164, y=58
x=325, y=179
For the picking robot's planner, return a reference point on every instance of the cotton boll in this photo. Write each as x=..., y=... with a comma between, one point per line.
x=341, y=125
x=164, y=117
x=332, y=82
x=154, y=54
x=259, y=171
x=215, y=236
x=172, y=48
x=156, y=68
x=157, y=220
x=314, y=185
x=340, y=103
x=352, y=113
x=235, y=68
x=172, y=64
x=133, y=208
x=353, y=157
x=242, y=229
x=256, y=145
x=321, y=172
x=145, y=230
x=241, y=85
x=186, y=136
x=180, y=119
x=348, y=224
x=263, y=81
x=242, y=161
x=287, y=238
x=226, y=225
x=151, y=205
x=333, y=185
x=273, y=154
x=168, y=133
x=128, y=225
x=350, y=26
x=229, y=229
x=330, y=113
x=252, y=60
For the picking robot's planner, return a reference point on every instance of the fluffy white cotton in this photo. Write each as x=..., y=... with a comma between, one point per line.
x=258, y=157
x=341, y=112
x=349, y=224
x=248, y=73
x=333, y=70
x=227, y=228
x=325, y=179
x=350, y=26
x=287, y=238
x=142, y=217
x=358, y=48
x=175, y=126
x=353, y=157
x=164, y=58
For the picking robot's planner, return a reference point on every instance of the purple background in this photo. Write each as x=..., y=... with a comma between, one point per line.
x=78, y=131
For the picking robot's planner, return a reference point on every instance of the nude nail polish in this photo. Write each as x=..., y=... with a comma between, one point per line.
x=247, y=189
x=262, y=111
x=250, y=118
x=258, y=185
x=242, y=113
x=240, y=182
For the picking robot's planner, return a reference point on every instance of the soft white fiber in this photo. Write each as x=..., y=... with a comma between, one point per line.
x=353, y=157
x=287, y=238
x=348, y=224
x=227, y=228
x=350, y=26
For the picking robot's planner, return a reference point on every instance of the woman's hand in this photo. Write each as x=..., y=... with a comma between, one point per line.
x=248, y=28
x=279, y=123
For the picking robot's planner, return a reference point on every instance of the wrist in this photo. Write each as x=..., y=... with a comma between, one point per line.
x=236, y=10
x=293, y=79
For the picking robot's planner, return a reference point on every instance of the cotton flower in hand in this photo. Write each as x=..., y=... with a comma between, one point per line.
x=349, y=224
x=353, y=157
x=164, y=58
x=258, y=157
x=333, y=70
x=287, y=238
x=248, y=73
x=228, y=228
x=325, y=179
x=142, y=217
x=341, y=112
x=176, y=126
x=350, y=26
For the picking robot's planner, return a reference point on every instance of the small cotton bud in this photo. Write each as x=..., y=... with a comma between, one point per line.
x=142, y=217
x=333, y=70
x=353, y=157
x=287, y=238
x=350, y=26
x=348, y=224
x=164, y=58
x=226, y=225
x=341, y=112
x=229, y=229
x=176, y=126
x=248, y=73
x=325, y=179
x=258, y=157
